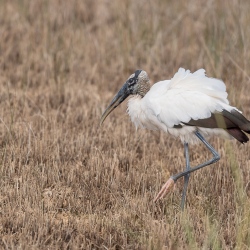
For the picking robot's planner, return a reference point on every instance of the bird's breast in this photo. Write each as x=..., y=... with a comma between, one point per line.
x=136, y=111
x=142, y=116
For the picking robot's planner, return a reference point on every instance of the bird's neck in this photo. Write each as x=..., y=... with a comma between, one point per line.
x=143, y=88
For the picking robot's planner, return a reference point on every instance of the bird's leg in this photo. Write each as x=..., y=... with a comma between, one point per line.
x=186, y=177
x=165, y=189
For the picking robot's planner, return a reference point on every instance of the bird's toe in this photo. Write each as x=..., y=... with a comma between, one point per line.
x=165, y=189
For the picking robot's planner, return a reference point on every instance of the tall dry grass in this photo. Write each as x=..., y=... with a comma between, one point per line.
x=64, y=183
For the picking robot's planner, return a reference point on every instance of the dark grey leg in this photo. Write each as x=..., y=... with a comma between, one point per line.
x=166, y=187
x=215, y=158
x=186, y=177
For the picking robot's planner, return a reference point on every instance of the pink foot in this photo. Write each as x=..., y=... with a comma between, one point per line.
x=165, y=189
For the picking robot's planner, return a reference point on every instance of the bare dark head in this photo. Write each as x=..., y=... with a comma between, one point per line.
x=136, y=84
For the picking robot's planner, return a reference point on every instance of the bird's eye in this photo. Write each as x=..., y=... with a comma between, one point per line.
x=130, y=80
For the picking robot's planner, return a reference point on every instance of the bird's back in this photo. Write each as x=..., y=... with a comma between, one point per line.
x=171, y=104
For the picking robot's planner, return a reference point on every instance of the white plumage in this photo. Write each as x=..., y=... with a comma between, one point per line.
x=190, y=106
x=171, y=102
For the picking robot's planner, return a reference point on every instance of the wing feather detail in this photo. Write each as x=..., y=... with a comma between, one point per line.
x=187, y=96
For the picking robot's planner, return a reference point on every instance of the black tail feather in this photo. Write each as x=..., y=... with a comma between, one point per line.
x=233, y=122
x=238, y=119
x=238, y=134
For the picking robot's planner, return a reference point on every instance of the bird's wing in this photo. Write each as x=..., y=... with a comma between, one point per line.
x=187, y=96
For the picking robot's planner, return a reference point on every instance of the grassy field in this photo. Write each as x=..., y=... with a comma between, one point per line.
x=65, y=183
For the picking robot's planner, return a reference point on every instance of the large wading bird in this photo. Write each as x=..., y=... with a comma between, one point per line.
x=190, y=106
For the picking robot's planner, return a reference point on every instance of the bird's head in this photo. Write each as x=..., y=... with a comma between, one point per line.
x=136, y=84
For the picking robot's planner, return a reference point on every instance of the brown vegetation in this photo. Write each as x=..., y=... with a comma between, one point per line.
x=64, y=183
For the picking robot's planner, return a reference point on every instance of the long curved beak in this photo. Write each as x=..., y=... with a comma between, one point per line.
x=121, y=95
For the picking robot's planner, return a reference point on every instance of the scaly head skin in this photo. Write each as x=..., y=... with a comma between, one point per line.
x=137, y=84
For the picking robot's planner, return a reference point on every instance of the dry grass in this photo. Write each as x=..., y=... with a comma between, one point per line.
x=67, y=185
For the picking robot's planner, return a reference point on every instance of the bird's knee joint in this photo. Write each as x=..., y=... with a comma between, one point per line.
x=217, y=157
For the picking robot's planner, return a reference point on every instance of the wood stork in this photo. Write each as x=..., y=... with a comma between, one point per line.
x=190, y=106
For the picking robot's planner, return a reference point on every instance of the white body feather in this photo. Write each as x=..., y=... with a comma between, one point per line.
x=186, y=96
